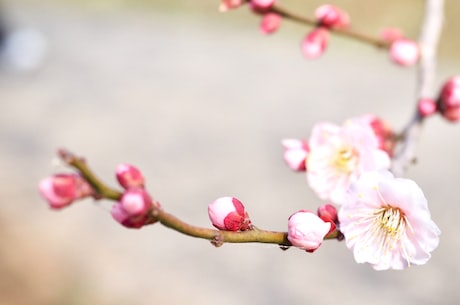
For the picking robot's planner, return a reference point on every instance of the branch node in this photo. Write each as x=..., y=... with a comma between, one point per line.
x=217, y=240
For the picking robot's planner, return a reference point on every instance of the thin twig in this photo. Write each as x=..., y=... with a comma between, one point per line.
x=347, y=32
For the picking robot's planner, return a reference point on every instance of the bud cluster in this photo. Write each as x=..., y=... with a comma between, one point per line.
x=133, y=208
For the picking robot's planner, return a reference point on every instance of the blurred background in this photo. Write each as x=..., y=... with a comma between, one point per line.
x=200, y=101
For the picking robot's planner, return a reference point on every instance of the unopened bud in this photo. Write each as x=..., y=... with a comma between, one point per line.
x=133, y=209
x=328, y=213
x=449, y=99
x=383, y=131
x=315, y=43
x=270, y=23
x=61, y=190
x=404, y=52
x=426, y=107
x=306, y=230
x=129, y=176
x=226, y=5
x=391, y=34
x=331, y=16
x=228, y=213
x=261, y=5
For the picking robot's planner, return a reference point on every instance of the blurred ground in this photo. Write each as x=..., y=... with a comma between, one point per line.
x=200, y=104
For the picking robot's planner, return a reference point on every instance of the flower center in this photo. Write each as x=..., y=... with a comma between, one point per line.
x=391, y=221
x=346, y=159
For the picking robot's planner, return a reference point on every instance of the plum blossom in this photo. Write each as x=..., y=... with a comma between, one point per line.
x=339, y=155
x=295, y=153
x=386, y=222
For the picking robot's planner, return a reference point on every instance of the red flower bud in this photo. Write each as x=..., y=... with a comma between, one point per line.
x=228, y=213
x=315, y=43
x=132, y=210
x=449, y=99
x=61, y=190
x=331, y=16
x=129, y=176
x=270, y=23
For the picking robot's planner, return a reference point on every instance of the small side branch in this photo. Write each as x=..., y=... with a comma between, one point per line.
x=429, y=38
x=217, y=237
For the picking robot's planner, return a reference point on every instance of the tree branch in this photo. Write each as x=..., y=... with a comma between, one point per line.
x=217, y=237
x=428, y=42
x=350, y=33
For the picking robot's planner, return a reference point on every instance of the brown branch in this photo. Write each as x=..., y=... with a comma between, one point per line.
x=350, y=33
x=217, y=237
x=428, y=42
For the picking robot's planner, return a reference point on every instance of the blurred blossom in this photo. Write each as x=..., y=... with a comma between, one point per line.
x=339, y=155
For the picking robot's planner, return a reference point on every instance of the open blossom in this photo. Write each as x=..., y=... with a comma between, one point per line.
x=386, y=222
x=295, y=154
x=339, y=155
x=306, y=230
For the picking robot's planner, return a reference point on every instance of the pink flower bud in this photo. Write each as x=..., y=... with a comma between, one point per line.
x=270, y=23
x=315, y=43
x=306, y=230
x=404, y=52
x=327, y=211
x=261, y=5
x=136, y=201
x=295, y=154
x=331, y=16
x=228, y=213
x=226, y=5
x=383, y=132
x=449, y=99
x=129, y=176
x=61, y=190
x=132, y=210
x=426, y=107
x=391, y=34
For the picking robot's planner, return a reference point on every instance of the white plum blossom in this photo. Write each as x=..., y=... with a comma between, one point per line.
x=386, y=222
x=338, y=155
